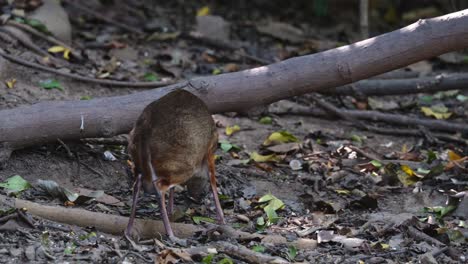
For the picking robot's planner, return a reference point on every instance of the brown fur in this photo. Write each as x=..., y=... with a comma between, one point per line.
x=174, y=135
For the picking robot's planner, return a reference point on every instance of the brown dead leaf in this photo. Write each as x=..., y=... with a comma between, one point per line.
x=231, y=67
x=105, y=198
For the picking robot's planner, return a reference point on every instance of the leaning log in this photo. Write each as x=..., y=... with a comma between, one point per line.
x=103, y=117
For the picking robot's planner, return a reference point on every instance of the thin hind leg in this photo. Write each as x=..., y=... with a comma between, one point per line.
x=219, y=210
x=136, y=192
x=161, y=197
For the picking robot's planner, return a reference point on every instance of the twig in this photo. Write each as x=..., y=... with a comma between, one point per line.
x=24, y=41
x=50, y=39
x=223, y=45
x=99, y=16
x=364, y=18
x=70, y=154
x=92, y=169
x=137, y=255
x=106, y=141
x=83, y=78
x=246, y=254
x=418, y=235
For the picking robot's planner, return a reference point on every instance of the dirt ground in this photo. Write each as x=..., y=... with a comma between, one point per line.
x=340, y=206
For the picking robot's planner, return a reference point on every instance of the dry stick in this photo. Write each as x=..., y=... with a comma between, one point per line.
x=114, y=224
x=397, y=74
x=107, y=223
x=99, y=16
x=421, y=236
x=381, y=117
x=24, y=41
x=120, y=140
x=302, y=110
x=245, y=254
x=104, y=117
x=83, y=78
x=442, y=82
x=223, y=45
x=342, y=114
x=364, y=18
x=50, y=39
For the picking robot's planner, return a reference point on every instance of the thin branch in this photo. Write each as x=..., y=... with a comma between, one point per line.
x=36, y=66
x=441, y=82
x=50, y=39
x=99, y=16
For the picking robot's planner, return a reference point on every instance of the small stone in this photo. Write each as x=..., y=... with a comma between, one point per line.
x=30, y=253
x=427, y=259
x=295, y=164
x=243, y=218
x=16, y=252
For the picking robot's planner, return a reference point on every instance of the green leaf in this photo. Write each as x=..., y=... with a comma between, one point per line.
x=51, y=84
x=422, y=171
x=431, y=156
x=16, y=184
x=151, y=77
x=439, y=111
x=272, y=205
x=426, y=99
x=208, y=259
x=292, y=253
x=266, y=120
x=226, y=260
x=258, y=248
x=271, y=215
x=264, y=158
x=462, y=98
x=356, y=138
x=232, y=129
x=216, y=71
x=224, y=197
x=37, y=25
x=198, y=219
x=227, y=146
x=440, y=211
x=69, y=249
x=85, y=97
x=376, y=163
x=280, y=137
x=463, y=224
x=87, y=236
x=260, y=221
x=265, y=198
x=273, y=202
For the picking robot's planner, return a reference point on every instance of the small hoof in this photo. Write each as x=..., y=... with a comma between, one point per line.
x=132, y=243
x=178, y=241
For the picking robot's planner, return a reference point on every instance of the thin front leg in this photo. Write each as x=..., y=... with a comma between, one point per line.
x=219, y=210
x=136, y=192
x=170, y=206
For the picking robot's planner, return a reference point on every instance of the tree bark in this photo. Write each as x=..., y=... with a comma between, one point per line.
x=104, y=117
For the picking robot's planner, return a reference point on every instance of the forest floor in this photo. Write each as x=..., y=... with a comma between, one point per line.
x=339, y=194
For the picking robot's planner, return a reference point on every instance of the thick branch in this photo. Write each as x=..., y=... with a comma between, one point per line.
x=45, y=122
x=375, y=116
x=403, y=86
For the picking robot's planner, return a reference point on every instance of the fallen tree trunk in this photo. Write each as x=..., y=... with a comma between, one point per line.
x=104, y=117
